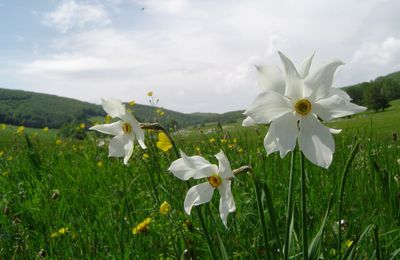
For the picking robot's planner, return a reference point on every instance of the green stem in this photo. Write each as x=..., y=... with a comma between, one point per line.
x=206, y=234
x=261, y=215
x=157, y=126
x=342, y=185
x=304, y=207
x=289, y=207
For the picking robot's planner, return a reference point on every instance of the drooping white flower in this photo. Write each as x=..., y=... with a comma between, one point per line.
x=125, y=130
x=218, y=177
x=295, y=105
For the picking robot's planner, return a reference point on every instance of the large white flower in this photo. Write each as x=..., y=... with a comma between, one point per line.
x=217, y=178
x=295, y=105
x=125, y=130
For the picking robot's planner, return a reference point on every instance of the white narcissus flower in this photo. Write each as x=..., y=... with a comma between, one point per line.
x=218, y=177
x=295, y=105
x=125, y=130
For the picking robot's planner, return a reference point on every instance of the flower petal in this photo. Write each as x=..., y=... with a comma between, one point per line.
x=192, y=167
x=270, y=78
x=294, y=83
x=196, y=195
x=341, y=93
x=248, y=121
x=113, y=107
x=267, y=106
x=226, y=202
x=139, y=133
x=121, y=146
x=305, y=66
x=111, y=129
x=319, y=84
x=335, y=106
x=224, y=170
x=316, y=141
x=282, y=134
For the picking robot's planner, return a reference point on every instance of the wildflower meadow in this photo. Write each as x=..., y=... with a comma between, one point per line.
x=306, y=175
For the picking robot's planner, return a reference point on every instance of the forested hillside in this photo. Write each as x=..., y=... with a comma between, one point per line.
x=31, y=109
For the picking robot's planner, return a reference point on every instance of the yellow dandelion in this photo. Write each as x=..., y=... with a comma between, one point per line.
x=146, y=156
x=82, y=126
x=150, y=93
x=20, y=129
x=165, y=208
x=240, y=150
x=211, y=140
x=142, y=227
x=163, y=143
x=224, y=141
x=3, y=126
x=100, y=163
x=58, y=142
x=132, y=103
x=45, y=129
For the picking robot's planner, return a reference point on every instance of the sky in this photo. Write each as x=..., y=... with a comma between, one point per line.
x=195, y=55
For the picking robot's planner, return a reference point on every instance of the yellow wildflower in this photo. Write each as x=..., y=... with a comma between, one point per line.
x=240, y=150
x=164, y=144
x=198, y=150
x=142, y=227
x=82, y=126
x=6, y=173
x=150, y=93
x=60, y=232
x=146, y=156
x=348, y=243
x=132, y=103
x=162, y=113
x=234, y=140
x=20, y=129
x=45, y=129
x=165, y=208
x=223, y=140
x=212, y=140
x=100, y=163
x=3, y=126
x=58, y=142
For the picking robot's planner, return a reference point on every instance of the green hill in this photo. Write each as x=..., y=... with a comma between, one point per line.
x=37, y=110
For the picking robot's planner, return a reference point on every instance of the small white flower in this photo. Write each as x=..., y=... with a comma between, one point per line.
x=217, y=178
x=295, y=105
x=125, y=130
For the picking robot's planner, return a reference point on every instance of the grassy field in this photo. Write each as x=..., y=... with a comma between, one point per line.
x=67, y=199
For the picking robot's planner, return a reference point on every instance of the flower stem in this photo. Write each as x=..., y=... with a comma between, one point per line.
x=157, y=126
x=289, y=206
x=342, y=185
x=304, y=207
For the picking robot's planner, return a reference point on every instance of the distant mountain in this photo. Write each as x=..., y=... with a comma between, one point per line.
x=18, y=107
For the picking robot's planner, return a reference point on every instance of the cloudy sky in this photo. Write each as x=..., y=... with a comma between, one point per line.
x=195, y=55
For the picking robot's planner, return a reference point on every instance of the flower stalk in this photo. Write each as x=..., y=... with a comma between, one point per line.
x=304, y=207
x=289, y=212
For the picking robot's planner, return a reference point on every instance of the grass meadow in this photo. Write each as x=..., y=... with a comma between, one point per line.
x=66, y=199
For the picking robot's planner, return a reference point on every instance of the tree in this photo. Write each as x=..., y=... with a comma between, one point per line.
x=374, y=97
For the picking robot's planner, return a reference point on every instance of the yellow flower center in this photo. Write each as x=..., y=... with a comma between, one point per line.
x=215, y=180
x=127, y=128
x=303, y=107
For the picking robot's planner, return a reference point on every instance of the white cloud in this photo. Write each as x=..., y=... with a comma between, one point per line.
x=200, y=55
x=70, y=14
